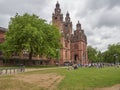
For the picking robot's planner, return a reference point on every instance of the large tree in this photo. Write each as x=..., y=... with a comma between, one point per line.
x=112, y=54
x=99, y=56
x=92, y=54
x=31, y=33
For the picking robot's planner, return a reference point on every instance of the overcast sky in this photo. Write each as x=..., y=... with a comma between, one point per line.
x=100, y=19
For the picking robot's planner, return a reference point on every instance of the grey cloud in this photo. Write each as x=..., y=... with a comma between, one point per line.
x=11, y=7
x=110, y=18
x=100, y=14
x=97, y=4
x=89, y=33
x=105, y=37
x=4, y=19
x=94, y=42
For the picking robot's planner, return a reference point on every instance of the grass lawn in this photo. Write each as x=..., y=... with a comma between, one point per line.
x=80, y=79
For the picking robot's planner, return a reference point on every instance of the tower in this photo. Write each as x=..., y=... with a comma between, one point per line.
x=67, y=30
x=57, y=17
x=79, y=45
x=78, y=26
x=67, y=27
x=74, y=45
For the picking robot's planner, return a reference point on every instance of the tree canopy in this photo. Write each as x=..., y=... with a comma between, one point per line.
x=92, y=54
x=111, y=55
x=31, y=33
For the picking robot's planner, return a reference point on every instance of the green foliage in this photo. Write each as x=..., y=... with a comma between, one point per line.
x=99, y=56
x=92, y=54
x=112, y=55
x=109, y=55
x=88, y=79
x=31, y=33
x=5, y=50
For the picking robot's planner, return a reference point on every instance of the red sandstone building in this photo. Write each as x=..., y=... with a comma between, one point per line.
x=74, y=45
x=2, y=37
x=2, y=34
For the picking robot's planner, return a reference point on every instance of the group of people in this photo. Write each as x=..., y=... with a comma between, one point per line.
x=72, y=66
x=98, y=65
x=101, y=65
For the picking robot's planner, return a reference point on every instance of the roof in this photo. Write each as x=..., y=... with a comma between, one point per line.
x=3, y=29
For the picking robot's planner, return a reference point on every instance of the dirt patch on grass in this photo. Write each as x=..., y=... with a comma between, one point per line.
x=115, y=87
x=43, y=80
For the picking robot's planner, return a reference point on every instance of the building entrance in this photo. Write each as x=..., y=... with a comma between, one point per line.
x=75, y=58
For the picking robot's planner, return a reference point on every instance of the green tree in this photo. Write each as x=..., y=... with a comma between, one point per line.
x=92, y=54
x=99, y=56
x=31, y=33
x=109, y=55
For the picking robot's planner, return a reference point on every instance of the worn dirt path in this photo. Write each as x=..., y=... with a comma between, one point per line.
x=48, y=81
x=114, y=87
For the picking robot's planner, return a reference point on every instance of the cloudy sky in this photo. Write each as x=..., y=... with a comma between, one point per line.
x=100, y=19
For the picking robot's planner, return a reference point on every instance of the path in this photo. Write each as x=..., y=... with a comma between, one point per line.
x=35, y=69
x=114, y=87
x=10, y=71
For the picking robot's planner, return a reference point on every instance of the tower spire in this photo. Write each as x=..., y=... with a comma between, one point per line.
x=78, y=22
x=67, y=18
x=78, y=26
x=57, y=4
x=67, y=14
x=57, y=8
x=57, y=16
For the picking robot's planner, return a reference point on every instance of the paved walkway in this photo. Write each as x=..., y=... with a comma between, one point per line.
x=35, y=69
x=10, y=71
x=6, y=71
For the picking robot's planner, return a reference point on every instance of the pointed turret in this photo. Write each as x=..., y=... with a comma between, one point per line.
x=67, y=14
x=67, y=18
x=57, y=4
x=57, y=16
x=78, y=26
x=57, y=9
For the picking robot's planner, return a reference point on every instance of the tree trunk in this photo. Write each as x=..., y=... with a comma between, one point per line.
x=30, y=54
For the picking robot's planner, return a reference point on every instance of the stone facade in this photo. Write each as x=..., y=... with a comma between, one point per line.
x=2, y=34
x=2, y=37
x=74, y=44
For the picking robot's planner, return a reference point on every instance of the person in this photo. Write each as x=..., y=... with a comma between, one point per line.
x=75, y=66
x=70, y=66
x=57, y=64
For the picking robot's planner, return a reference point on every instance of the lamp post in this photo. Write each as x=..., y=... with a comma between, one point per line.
x=115, y=58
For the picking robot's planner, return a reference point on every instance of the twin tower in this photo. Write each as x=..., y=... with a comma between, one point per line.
x=74, y=42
